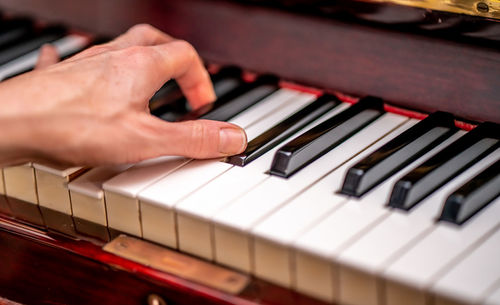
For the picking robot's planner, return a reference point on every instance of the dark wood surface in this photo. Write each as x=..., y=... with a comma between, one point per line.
x=409, y=70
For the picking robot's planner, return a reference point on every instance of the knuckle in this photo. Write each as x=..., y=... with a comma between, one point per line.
x=186, y=47
x=142, y=28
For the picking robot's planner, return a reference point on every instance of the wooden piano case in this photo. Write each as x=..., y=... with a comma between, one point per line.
x=409, y=68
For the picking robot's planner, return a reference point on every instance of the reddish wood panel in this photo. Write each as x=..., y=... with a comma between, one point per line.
x=408, y=70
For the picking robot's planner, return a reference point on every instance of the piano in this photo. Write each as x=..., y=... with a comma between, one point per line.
x=372, y=174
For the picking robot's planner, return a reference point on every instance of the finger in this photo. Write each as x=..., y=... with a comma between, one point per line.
x=180, y=60
x=48, y=56
x=199, y=139
x=138, y=35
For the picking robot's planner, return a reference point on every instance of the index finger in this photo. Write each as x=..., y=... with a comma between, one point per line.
x=180, y=60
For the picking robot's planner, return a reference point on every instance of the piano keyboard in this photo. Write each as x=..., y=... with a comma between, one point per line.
x=349, y=204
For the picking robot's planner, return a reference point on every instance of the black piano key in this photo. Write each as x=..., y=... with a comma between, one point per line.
x=284, y=129
x=471, y=197
x=162, y=100
x=318, y=140
x=47, y=35
x=236, y=101
x=66, y=56
x=445, y=165
x=227, y=80
x=169, y=102
x=398, y=153
x=14, y=30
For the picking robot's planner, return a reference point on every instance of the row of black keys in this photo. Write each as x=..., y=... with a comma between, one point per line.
x=19, y=36
x=235, y=96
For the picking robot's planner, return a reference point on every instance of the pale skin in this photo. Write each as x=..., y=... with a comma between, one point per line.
x=92, y=109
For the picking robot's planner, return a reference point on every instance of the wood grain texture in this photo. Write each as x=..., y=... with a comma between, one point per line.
x=409, y=70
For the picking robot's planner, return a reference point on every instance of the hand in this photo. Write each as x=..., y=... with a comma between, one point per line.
x=92, y=109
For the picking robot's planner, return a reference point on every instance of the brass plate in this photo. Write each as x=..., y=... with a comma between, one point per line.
x=482, y=8
x=181, y=265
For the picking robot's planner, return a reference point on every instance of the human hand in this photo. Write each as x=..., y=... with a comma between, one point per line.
x=92, y=109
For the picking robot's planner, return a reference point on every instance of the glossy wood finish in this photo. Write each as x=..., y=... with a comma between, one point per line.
x=407, y=69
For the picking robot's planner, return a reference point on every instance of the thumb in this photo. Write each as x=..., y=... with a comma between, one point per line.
x=200, y=139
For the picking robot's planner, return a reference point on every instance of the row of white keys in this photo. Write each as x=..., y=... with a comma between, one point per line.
x=51, y=186
x=64, y=46
x=437, y=252
x=159, y=199
x=276, y=233
x=319, y=223
x=494, y=297
x=87, y=195
x=195, y=212
x=471, y=280
x=233, y=224
x=122, y=204
x=20, y=187
x=341, y=228
x=359, y=273
x=20, y=182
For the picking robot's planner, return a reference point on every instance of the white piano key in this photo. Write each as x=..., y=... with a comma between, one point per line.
x=386, y=241
x=234, y=221
x=20, y=182
x=87, y=195
x=122, y=206
x=64, y=46
x=473, y=278
x=4, y=205
x=195, y=212
x=265, y=107
x=51, y=184
x=20, y=187
x=284, y=111
x=285, y=225
x=494, y=298
x=158, y=200
x=439, y=251
x=2, y=187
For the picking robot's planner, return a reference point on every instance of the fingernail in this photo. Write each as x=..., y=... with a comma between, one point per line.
x=232, y=141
